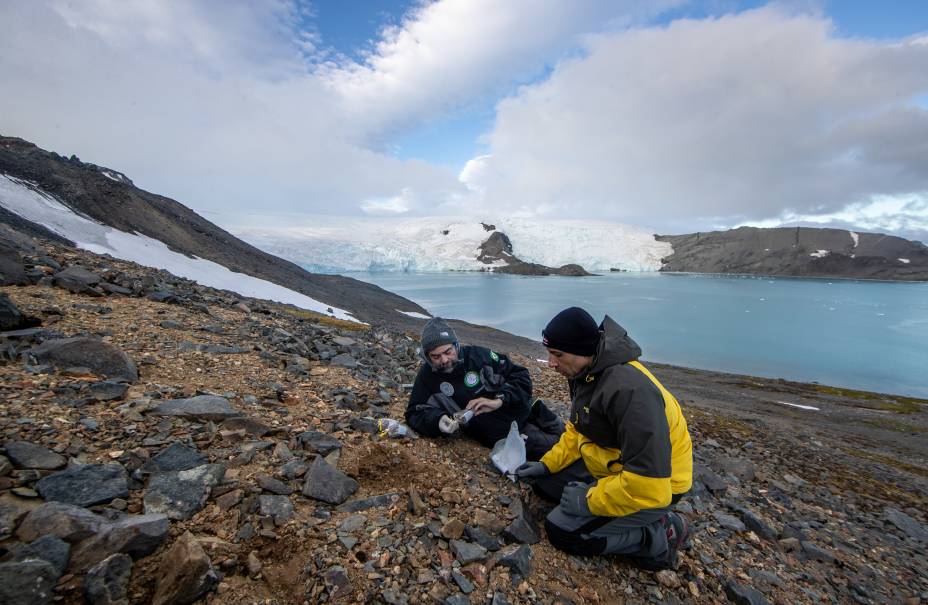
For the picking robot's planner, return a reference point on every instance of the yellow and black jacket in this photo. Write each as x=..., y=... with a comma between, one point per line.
x=628, y=429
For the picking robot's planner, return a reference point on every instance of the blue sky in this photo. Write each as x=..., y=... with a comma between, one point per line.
x=673, y=115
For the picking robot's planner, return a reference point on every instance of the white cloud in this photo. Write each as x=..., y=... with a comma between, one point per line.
x=719, y=120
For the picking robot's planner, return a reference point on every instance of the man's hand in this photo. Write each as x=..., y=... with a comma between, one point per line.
x=573, y=499
x=482, y=405
x=448, y=425
x=530, y=471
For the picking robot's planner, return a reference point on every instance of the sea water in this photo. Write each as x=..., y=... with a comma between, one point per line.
x=856, y=334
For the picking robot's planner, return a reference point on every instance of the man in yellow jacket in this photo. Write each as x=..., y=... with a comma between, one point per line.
x=626, y=455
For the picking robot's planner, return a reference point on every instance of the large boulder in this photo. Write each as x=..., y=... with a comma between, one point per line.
x=87, y=352
x=175, y=457
x=77, y=279
x=50, y=549
x=186, y=573
x=86, y=484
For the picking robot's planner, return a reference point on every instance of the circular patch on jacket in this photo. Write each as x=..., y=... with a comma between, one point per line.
x=446, y=389
x=494, y=356
x=471, y=379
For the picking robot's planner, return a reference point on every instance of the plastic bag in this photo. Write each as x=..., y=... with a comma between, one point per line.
x=509, y=454
x=387, y=427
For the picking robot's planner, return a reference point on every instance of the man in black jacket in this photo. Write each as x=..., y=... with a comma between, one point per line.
x=476, y=391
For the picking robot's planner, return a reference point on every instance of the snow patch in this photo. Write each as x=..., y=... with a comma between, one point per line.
x=904, y=260
x=29, y=202
x=855, y=237
x=800, y=406
x=820, y=253
x=338, y=244
x=413, y=314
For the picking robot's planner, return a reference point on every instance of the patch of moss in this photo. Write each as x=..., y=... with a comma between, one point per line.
x=888, y=461
x=891, y=424
x=324, y=319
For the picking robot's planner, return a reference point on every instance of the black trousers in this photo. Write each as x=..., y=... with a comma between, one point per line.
x=641, y=535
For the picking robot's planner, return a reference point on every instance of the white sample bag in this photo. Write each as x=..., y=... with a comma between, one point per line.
x=509, y=454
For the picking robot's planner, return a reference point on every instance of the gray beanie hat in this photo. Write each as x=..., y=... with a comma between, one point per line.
x=437, y=332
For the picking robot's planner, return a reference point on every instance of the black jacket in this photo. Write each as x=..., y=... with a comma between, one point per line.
x=466, y=382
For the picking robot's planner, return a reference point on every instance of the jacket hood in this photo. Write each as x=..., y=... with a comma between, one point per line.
x=615, y=347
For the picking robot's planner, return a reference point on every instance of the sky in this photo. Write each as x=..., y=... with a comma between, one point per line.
x=673, y=115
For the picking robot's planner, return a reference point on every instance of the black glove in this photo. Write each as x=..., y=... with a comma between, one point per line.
x=573, y=499
x=532, y=471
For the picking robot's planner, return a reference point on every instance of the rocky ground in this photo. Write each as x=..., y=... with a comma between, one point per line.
x=164, y=442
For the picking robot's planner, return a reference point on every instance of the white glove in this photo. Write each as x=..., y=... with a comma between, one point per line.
x=448, y=425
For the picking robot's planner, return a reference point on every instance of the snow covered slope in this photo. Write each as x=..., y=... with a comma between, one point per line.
x=335, y=244
x=32, y=204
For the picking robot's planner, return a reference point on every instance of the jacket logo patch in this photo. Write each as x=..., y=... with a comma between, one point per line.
x=471, y=379
x=446, y=389
x=590, y=378
x=494, y=356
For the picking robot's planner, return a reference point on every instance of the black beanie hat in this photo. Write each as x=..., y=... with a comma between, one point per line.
x=572, y=330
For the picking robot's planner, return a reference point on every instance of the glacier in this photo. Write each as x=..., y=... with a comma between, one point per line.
x=432, y=244
x=33, y=204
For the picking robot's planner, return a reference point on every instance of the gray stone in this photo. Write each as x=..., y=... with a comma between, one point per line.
x=712, y=482
x=327, y=483
x=499, y=599
x=517, y=558
x=108, y=390
x=12, y=511
x=344, y=341
x=76, y=279
x=107, y=582
x=484, y=539
x=48, y=548
x=100, y=357
x=742, y=468
x=11, y=318
x=186, y=573
x=457, y=599
x=279, y=508
x=352, y=524
x=175, y=457
x=27, y=582
x=907, y=524
x=758, y=526
x=468, y=552
x=6, y=467
x=134, y=535
x=729, y=522
x=181, y=494
x=12, y=272
x=66, y=521
x=744, y=595
x=521, y=531
x=344, y=360
x=813, y=551
x=378, y=501
x=336, y=582
x=249, y=425
x=318, y=442
x=201, y=407
x=463, y=583
x=275, y=486
x=294, y=468
x=86, y=485
x=30, y=455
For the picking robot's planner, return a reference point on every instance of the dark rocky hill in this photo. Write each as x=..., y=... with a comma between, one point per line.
x=498, y=247
x=799, y=252
x=111, y=198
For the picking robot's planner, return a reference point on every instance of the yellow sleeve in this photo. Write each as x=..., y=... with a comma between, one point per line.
x=565, y=452
x=626, y=493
